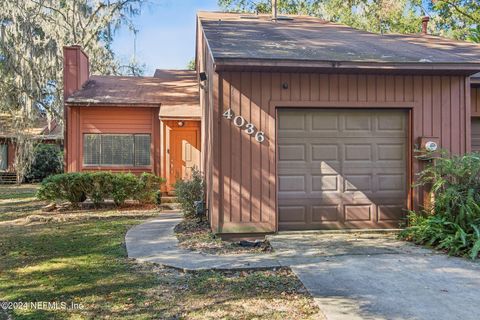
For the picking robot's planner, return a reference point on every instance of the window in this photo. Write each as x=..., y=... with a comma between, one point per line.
x=3, y=157
x=116, y=149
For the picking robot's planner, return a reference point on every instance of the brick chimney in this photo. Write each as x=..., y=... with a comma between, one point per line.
x=425, y=25
x=75, y=73
x=75, y=69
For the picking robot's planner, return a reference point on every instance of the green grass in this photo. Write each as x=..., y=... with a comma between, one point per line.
x=81, y=258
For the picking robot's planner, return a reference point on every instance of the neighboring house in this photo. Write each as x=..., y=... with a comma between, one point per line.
x=475, y=91
x=314, y=125
x=131, y=124
x=43, y=131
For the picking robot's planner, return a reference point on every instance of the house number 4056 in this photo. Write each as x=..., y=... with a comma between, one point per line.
x=249, y=128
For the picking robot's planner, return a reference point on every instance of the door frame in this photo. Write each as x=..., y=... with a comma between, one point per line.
x=276, y=106
x=168, y=127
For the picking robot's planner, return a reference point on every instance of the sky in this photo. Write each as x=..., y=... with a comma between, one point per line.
x=166, y=36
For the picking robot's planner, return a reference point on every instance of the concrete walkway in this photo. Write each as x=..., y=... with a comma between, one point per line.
x=154, y=241
x=350, y=276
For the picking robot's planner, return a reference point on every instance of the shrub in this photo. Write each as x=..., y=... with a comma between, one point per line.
x=70, y=187
x=47, y=161
x=99, y=186
x=124, y=187
x=453, y=222
x=190, y=190
x=148, y=188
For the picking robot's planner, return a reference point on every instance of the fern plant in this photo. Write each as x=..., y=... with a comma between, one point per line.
x=453, y=222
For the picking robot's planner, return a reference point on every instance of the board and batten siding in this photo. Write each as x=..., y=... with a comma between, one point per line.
x=241, y=175
x=475, y=95
x=111, y=120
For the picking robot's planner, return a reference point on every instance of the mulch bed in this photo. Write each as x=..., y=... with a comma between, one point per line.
x=195, y=235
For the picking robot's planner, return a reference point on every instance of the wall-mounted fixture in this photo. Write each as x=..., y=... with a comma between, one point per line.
x=203, y=76
x=285, y=85
x=180, y=123
x=428, y=148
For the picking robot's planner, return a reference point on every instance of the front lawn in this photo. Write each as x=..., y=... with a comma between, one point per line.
x=80, y=258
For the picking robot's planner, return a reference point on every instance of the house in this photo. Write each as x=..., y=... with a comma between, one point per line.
x=296, y=123
x=309, y=124
x=475, y=129
x=130, y=124
x=43, y=131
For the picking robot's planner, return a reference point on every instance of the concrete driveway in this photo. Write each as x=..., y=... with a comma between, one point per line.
x=375, y=276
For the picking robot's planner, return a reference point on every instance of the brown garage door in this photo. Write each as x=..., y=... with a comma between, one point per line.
x=341, y=168
x=476, y=134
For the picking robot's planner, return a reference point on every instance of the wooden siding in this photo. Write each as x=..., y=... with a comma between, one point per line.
x=243, y=172
x=475, y=95
x=112, y=120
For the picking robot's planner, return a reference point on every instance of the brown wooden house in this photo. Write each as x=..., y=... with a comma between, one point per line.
x=313, y=125
x=301, y=123
x=42, y=131
x=130, y=124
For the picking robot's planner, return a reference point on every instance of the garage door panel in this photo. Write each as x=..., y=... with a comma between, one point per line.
x=292, y=152
x=358, y=212
x=390, y=152
x=325, y=152
x=358, y=152
x=349, y=172
x=357, y=122
x=291, y=183
x=322, y=213
x=326, y=122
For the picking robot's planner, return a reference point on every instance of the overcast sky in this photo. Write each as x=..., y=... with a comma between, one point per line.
x=166, y=37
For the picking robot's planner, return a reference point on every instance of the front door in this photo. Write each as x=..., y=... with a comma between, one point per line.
x=184, y=153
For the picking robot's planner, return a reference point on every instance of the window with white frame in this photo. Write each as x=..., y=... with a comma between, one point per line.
x=116, y=150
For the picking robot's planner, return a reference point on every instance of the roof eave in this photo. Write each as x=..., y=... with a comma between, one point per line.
x=232, y=64
x=111, y=104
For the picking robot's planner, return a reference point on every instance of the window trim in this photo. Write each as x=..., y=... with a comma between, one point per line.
x=112, y=166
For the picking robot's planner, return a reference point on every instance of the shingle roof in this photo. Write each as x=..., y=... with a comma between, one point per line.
x=176, y=91
x=232, y=36
x=41, y=128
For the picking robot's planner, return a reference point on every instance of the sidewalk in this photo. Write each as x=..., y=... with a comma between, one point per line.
x=154, y=241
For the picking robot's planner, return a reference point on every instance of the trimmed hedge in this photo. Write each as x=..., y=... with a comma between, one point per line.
x=76, y=187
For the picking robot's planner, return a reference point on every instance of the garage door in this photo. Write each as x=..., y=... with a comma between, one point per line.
x=341, y=168
x=476, y=134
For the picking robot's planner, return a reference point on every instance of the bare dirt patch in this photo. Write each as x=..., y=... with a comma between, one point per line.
x=195, y=235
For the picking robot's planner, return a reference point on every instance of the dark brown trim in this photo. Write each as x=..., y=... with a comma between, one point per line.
x=237, y=64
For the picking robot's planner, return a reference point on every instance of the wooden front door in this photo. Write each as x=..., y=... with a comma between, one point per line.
x=184, y=153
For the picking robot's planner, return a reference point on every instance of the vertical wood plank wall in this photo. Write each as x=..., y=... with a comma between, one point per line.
x=243, y=171
x=111, y=120
x=475, y=95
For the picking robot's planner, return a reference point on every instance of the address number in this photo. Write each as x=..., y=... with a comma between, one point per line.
x=249, y=128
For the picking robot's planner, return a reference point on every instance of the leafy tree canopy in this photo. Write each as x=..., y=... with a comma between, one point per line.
x=32, y=36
